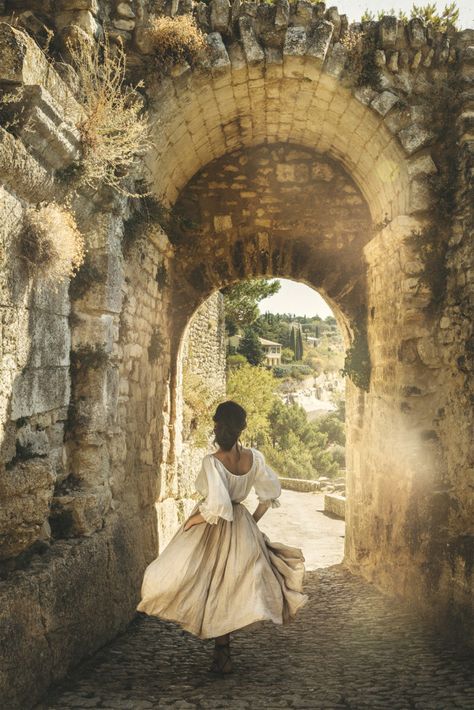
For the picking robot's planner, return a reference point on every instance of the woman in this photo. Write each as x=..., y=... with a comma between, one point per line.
x=219, y=573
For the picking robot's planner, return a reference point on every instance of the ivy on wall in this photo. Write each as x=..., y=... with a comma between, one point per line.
x=357, y=364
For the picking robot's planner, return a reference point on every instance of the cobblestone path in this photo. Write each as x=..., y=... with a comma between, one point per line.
x=351, y=647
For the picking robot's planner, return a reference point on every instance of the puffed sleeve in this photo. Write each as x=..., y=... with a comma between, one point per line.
x=267, y=484
x=209, y=483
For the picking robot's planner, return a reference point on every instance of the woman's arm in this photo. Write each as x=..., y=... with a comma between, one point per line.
x=260, y=510
x=194, y=520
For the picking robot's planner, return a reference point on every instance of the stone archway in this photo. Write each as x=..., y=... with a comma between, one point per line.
x=276, y=75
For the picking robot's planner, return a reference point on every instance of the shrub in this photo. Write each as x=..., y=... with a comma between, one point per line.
x=114, y=130
x=176, y=39
x=50, y=242
x=235, y=360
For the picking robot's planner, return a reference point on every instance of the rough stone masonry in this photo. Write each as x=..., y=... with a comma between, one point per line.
x=293, y=158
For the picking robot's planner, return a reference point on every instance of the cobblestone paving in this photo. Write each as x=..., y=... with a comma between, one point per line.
x=351, y=647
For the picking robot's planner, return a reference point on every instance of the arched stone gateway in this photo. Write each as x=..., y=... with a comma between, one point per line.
x=280, y=152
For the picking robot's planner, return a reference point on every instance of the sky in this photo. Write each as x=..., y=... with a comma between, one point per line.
x=295, y=298
x=355, y=8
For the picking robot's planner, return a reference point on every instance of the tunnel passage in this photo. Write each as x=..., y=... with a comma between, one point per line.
x=272, y=210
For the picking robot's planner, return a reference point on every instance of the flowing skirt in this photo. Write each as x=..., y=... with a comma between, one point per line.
x=214, y=579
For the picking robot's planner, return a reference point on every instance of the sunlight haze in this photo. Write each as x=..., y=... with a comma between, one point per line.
x=296, y=298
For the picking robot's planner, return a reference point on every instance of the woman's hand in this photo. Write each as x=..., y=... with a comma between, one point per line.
x=260, y=510
x=193, y=520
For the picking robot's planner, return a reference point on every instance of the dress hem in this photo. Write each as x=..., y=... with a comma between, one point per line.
x=226, y=630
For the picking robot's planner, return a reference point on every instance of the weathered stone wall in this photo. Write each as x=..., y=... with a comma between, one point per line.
x=203, y=357
x=202, y=365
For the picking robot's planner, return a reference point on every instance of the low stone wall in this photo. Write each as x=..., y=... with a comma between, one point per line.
x=336, y=505
x=299, y=484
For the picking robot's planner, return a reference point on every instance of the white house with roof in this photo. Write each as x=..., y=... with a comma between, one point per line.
x=271, y=349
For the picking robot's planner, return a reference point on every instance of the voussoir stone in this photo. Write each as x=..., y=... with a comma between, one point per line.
x=414, y=137
x=319, y=41
x=295, y=41
x=220, y=15
x=252, y=49
x=384, y=102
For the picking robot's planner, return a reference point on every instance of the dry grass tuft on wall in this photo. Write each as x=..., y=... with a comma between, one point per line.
x=176, y=39
x=115, y=130
x=51, y=243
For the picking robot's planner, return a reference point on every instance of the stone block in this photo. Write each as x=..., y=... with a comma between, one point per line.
x=335, y=504
x=282, y=14
x=26, y=490
x=419, y=195
x=43, y=129
x=124, y=10
x=384, y=102
x=94, y=330
x=39, y=390
x=319, y=41
x=416, y=33
x=336, y=60
x=332, y=15
x=295, y=42
x=252, y=49
x=220, y=16
x=421, y=165
x=32, y=442
x=304, y=13
x=219, y=58
x=24, y=63
x=81, y=18
x=388, y=31
x=222, y=222
x=124, y=24
x=415, y=137
x=50, y=340
x=66, y=5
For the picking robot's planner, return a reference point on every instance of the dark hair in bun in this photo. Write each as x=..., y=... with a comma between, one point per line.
x=231, y=420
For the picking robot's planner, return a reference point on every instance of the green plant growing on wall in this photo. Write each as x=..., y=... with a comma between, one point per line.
x=199, y=403
x=176, y=39
x=357, y=364
x=87, y=275
x=430, y=243
x=50, y=243
x=155, y=348
x=429, y=14
x=361, y=48
x=161, y=276
x=148, y=212
x=89, y=357
x=115, y=131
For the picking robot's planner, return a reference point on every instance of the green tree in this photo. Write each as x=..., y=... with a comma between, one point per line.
x=287, y=355
x=333, y=427
x=236, y=360
x=299, y=344
x=251, y=347
x=254, y=389
x=293, y=341
x=241, y=301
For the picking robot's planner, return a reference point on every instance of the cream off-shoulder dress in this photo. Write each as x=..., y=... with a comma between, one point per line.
x=225, y=574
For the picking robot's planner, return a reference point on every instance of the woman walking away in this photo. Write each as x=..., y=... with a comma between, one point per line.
x=219, y=572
